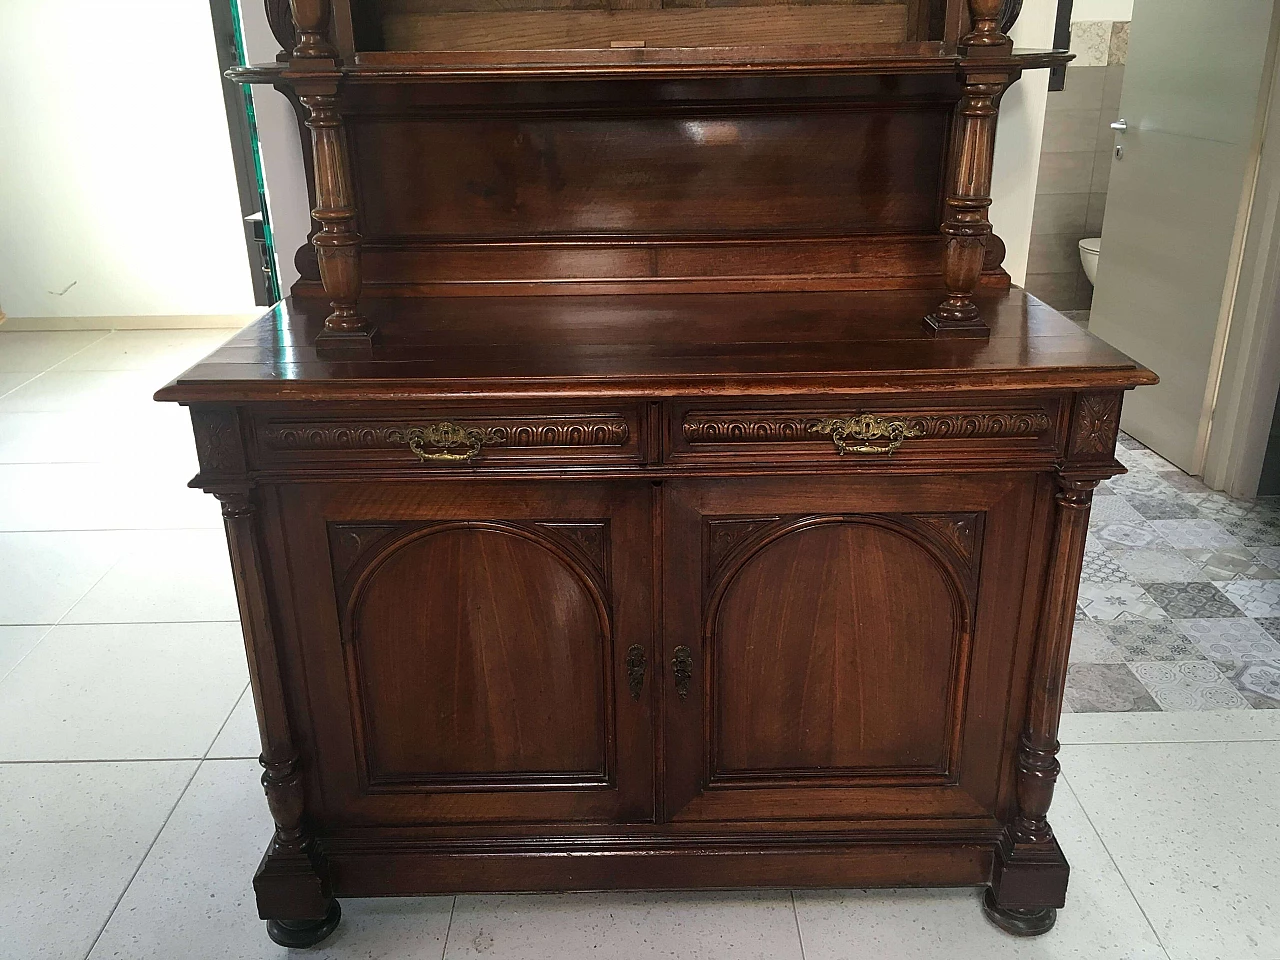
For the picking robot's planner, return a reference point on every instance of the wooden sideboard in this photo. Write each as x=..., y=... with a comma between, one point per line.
x=653, y=480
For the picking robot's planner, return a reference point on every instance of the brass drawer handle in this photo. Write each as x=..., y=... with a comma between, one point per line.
x=682, y=670
x=446, y=437
x=868, y=427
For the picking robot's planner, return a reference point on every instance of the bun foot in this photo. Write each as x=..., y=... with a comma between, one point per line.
x=1030, y=922
x=304, y=933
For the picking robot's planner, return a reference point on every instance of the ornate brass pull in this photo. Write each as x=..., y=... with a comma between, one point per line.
x=636, y=665
x=682, y=670
x=445, y=437
x=868, y=427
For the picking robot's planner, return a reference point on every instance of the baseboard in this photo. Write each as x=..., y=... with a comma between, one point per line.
x=195, y=322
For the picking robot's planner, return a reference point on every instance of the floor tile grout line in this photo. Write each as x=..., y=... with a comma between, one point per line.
x=142, y=860
x=1110, y=856
x=235, y=706
x=17, y=663
x=795, y=912
x=15, y=763
x=444, y=947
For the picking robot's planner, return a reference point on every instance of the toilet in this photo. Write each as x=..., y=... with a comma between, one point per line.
x=1089, y=250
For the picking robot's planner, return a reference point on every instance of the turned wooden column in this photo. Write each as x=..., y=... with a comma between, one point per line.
x=292, y=891
x=316, y=75
x=966, y=226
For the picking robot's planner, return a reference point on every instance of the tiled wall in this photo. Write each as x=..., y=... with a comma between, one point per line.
x=1075, y=164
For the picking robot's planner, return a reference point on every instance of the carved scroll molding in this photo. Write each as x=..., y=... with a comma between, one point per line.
x=531, y=433
x=280, y=19
x=787, y=428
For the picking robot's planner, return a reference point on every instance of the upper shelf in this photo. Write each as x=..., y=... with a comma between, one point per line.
x=895, y=58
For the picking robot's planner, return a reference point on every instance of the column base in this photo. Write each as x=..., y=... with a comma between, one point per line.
x=956, y=329
x=304, y=933
x=1019, y=921
x=358, y=345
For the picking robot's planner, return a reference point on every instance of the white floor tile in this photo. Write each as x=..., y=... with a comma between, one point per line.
x=1101, y=920
x=239, y=739
x=193, y=897
x=131, y=436
x=636, y=926
x=16, y=643
x=1182, y=727
x=122, y=692
x=34, y=352
x=1193, y=828
x=73, y=836
x=91, y=390
x=101, y=497
x=165, y=576
x=166, y=353
x=46, y=574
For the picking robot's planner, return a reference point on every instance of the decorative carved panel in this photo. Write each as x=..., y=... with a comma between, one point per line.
x=590, y=536
x=348, y=542
x=1096, y=424
x=603, y=431
x=725, y=534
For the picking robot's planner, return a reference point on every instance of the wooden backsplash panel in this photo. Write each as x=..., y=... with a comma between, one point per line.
x=479, y=27
x=830, y=172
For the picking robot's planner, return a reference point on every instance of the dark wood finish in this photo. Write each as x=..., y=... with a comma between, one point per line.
x=653, y=540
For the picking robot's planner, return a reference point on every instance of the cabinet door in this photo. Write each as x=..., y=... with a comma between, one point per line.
x=843, y=648
x=476, y=651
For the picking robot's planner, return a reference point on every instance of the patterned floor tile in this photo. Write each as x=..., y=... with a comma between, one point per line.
x=1150, y=640
x=1113, y=510
x=1119, y=601
x=1106, y=688
x=1230, y=564
x=1153, y=565
x=1235, y=642
x=1258, y=683
x=1257, y=598
x=1270, y=556
x=1190, y=487
x=1103, y=491
x=1141, y=483
x=1091, y=643
x=1162, y=507
x=1218, y=506
x=1192, y=685
x=1138, y=533
x=1269, y=624
x=1126, y=441
x=1187, y=600
x=1254, y=530
x=1185, y=534
x=1100, y=566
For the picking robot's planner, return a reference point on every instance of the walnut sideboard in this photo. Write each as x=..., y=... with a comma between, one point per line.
x=658, y=591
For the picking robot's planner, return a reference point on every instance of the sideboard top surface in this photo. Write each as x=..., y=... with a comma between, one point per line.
x=657, y=345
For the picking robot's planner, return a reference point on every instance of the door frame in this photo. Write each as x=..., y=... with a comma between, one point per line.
x=1240, y=403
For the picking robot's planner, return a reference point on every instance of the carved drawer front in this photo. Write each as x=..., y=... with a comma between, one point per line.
x=862, y=430
x=449, y=438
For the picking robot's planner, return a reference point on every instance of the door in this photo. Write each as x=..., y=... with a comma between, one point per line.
x=843, y=648
x=476, y=652
x=1191, y=101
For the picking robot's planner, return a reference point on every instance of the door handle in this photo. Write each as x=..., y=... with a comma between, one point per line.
x=1120, y=126
x=682, y=670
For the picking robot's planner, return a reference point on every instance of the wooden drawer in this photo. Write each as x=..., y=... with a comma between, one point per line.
x=449, y=437
x=877, y=430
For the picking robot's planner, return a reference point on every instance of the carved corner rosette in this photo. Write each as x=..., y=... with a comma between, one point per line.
x=219, y=442
x=1095, y=426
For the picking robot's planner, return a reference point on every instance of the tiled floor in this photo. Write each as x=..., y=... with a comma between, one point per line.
x=1180, y=596
x=131, y=817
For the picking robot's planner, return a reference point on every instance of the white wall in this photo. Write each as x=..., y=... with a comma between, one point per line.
x=1102, y=10
x=117, y=188
x=1021, y=128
